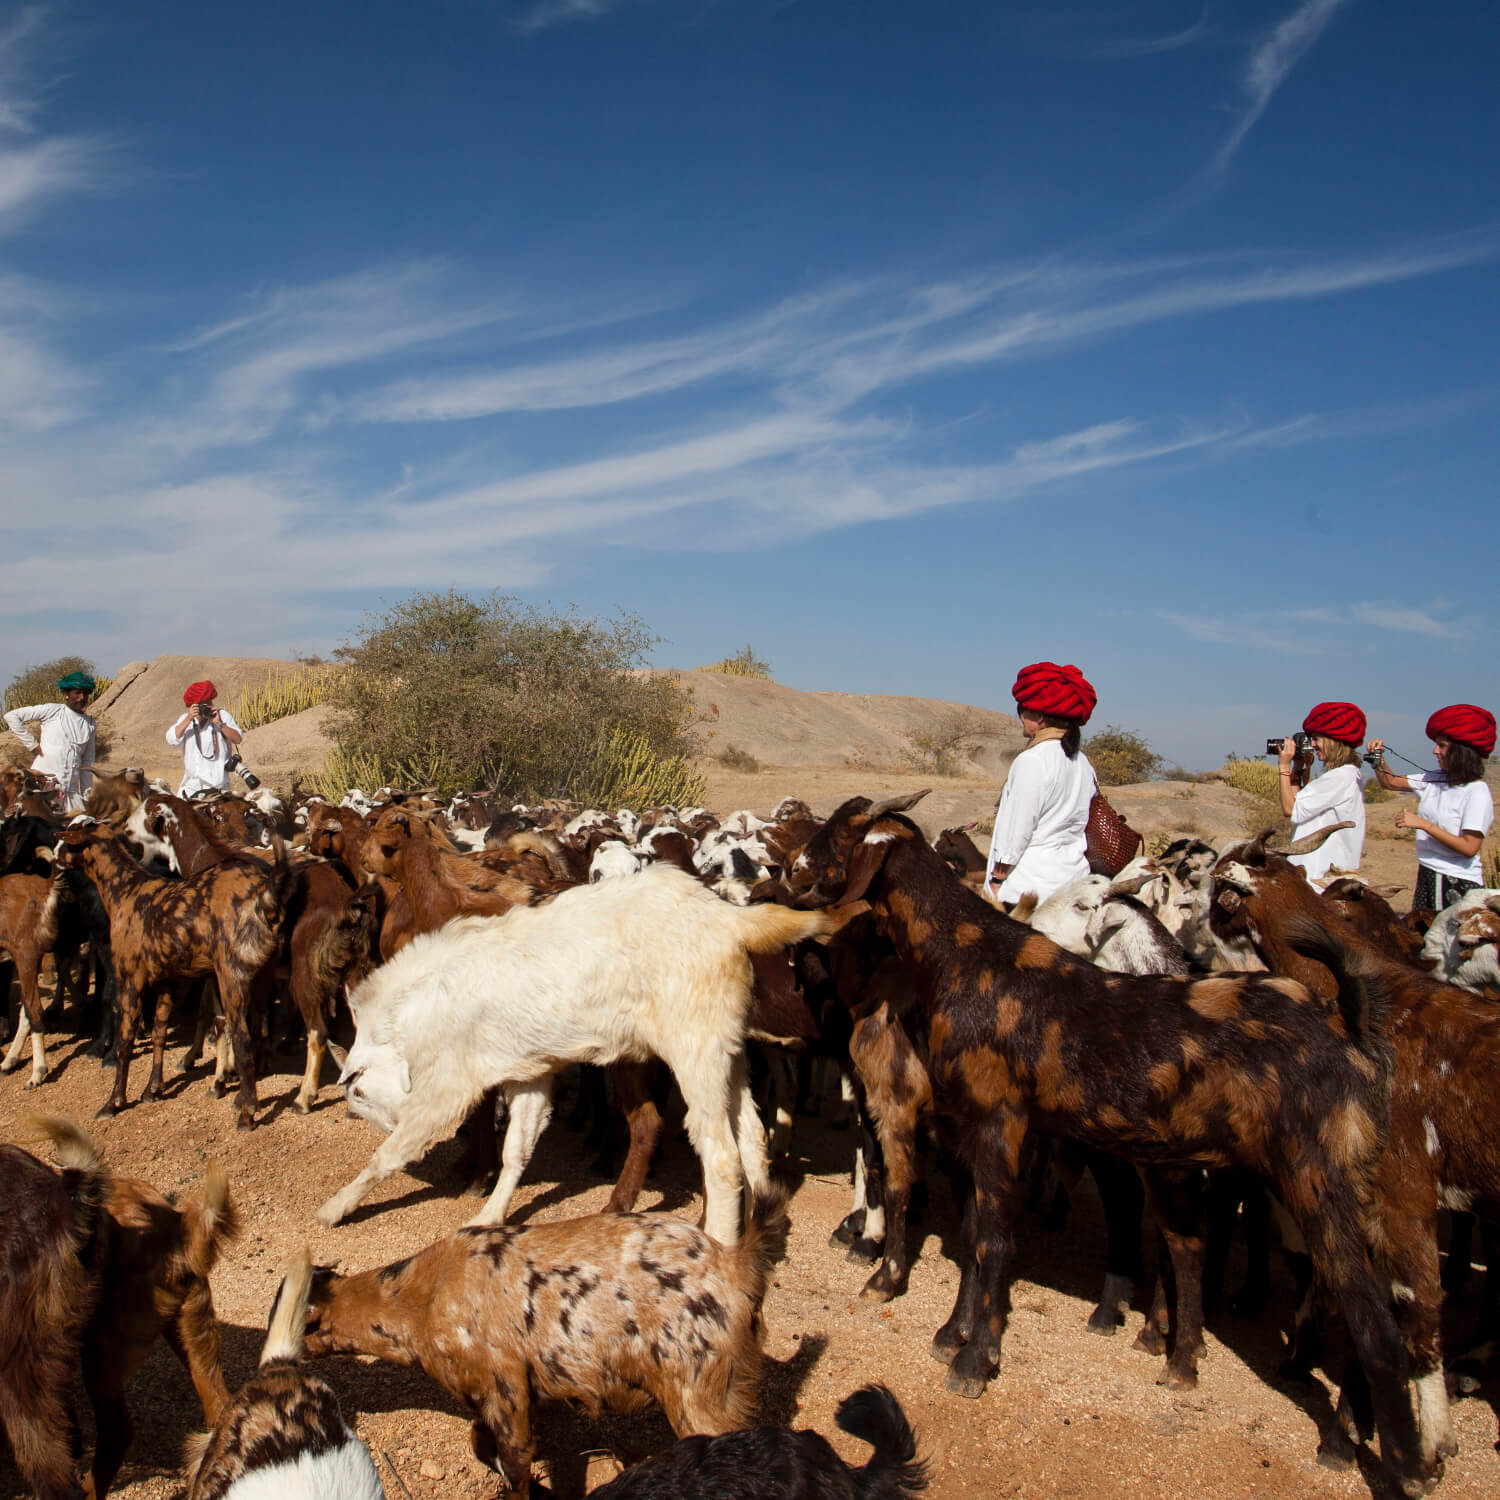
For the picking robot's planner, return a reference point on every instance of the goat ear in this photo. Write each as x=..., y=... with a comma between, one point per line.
x=338, y=1054
x=400, y=820
x=1025, y=908
x=1493, y=904
x=865, y=860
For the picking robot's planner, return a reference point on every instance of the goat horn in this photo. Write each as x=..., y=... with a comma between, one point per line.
x=1308, y=842
x=1130, y=885
x=896, y=804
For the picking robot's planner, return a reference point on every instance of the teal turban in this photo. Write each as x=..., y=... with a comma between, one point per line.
x=76, y=680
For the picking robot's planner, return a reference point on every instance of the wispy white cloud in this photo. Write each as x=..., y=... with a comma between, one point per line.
x=545, y=14
x=1402, y=618
x=1149, y=46
x=1313, y=629
x=1244, y=632
x=1272, y=60
x=20, y=36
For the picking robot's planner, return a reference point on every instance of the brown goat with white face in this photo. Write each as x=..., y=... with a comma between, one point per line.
x=614, y=1310
x=1242, y=1071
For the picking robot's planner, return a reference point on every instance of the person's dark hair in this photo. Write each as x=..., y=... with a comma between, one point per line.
x=1072, y=732
x=1461, y=763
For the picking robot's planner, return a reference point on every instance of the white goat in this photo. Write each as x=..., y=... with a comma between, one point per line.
x=1099, y=919
x=1462, y=941
x=656, y=966
x=613, y=858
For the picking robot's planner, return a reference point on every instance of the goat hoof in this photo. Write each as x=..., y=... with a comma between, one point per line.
x=849, y=1230
x=107, y=1111
x=1105, y=1320
x=1337, y=1455
x=882, y=1286
x=863, y=1253
x=970, y=1372
x=943, y=1351
x=1150, y=1341
x=36, y=1083
x=246, y=1121
x=1178, y=1380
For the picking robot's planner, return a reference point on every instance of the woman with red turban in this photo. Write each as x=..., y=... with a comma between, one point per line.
x=1454, y=806
x=1039, y=843
x=1337, y=796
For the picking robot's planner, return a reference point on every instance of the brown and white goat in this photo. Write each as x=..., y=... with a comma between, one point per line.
x=609, y=1311
x=283, y=1432
x=48, y=1288
x=225, y=922
x=28, y=932
x=1239, y=1071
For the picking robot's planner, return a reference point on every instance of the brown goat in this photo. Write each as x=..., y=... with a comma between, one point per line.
x=225, y=922
x=148, y=1275
x=1241, y=1071
x=28, y=931
x=611, y=1311
x=1440, y=1148
x=48, y=1289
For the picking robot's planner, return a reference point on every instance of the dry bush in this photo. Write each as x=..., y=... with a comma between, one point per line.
x=1120, y=757
x=285, y=694
x=1261, y=778
x=946, y=747
x=744, y=663
x=732, y=758
x=458, y=693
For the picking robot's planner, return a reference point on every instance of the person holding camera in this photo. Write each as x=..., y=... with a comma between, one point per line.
x=1333, y=732
x=1039, y=843
x=64, y=747
x=208, y=736
x=1454, y=805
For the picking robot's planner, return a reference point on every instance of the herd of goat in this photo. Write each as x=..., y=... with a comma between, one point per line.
x=1204, y=1033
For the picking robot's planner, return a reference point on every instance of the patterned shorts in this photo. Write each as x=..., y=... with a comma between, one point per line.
x=1436, y=892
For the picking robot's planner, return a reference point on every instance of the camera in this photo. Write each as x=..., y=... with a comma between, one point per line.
x=1301, y=741
x=240, y=769
x=205, y=711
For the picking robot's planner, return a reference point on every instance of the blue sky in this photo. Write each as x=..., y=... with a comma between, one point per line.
x=908, y=343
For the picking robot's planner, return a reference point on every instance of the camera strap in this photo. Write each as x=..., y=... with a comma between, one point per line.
x=1399, y=756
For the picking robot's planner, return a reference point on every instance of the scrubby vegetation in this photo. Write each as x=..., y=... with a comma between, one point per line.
x=453, y=692
x=285, y=694
x=945, y=747
x=1258, y=777
x=732, y=758
x=744, y=663
x=1120, y=757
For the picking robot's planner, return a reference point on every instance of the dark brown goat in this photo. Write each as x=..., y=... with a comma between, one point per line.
x=1220, y=1072
x=225, y=922
x=48, y=1289
x=1440, y=1148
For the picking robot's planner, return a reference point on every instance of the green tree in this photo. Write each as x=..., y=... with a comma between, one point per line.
x=450, y=691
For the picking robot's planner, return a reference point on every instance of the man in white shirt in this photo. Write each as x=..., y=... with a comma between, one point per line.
x=209, y=738
x=66, y=748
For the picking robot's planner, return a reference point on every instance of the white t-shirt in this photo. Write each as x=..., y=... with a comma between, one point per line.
x=205, y=754
x=1040, y=822
x=1337, y=796
x=1454, y=809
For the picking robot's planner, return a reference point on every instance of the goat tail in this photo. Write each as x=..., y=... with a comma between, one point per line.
x=285, y=871
x=874, y=1415
x=211, y=1221
x=768, y=928
x=288, y=1320
x=85, y=1176
x=763, y=1243
x=1357, y=971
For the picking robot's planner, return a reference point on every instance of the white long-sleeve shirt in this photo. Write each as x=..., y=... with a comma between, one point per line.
x=1039, y=827
x=67, y=741
x=205, y=754
x=1337, y=796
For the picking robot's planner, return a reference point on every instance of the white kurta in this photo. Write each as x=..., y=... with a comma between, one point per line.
x=1039, y=827
x=205, y=754
x=1454, y=809
x=67, y=740
x=1337, y=796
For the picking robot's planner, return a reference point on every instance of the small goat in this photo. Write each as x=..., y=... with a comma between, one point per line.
x=654, y=966
x=771, y=1463
x=283, y=1436
x=608, y=1311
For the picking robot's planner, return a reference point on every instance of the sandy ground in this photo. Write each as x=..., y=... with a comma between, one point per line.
x=1069, y=1414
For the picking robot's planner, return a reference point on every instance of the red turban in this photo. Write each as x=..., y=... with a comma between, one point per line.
x=1466, y=723
x=1046, y=688
x=1339, y=721
x=199, y=692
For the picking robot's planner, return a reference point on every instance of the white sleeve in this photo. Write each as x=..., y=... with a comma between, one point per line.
x=1478, y=811
x=225, y=717
x=173, y=738
x=1020, y=809
x=1321, y=795
x=17, y=719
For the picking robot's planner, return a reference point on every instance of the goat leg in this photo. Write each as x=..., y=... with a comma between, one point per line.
x=236, y=1010
x=1175, y=1201
x=955, y=1333
x=130, y=1014
x=1123, y=1197
x=997, y=1188
x=633, y=1093
x=159, y=1022
x=530, y=1107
